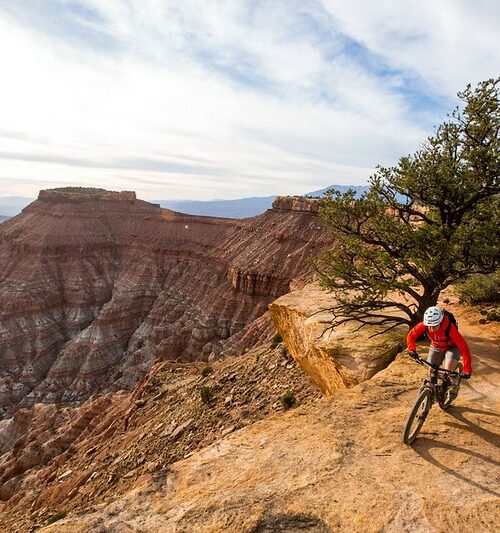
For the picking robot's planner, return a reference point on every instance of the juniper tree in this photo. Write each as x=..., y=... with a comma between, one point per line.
x=425, y=223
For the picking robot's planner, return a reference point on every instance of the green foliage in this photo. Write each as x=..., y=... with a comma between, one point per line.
x=480, y=288
x=426, y=223
x=206, y=394
x=288, y=400
x=490, y=315
x=56, y=517
x=206, y=371
x=276, y=341
x=493, y=315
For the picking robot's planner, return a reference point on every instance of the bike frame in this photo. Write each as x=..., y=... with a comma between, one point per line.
x=434, y=374
x=430, y=392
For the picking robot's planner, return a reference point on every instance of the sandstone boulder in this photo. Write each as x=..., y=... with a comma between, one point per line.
x=333, y=359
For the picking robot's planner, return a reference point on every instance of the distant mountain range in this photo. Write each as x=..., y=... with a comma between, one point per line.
x=239, y=208
x=13, y=205
x=242, y=207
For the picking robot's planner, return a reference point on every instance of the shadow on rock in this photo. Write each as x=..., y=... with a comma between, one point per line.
x=424, y=449
x=458, y=413
x=290, y=523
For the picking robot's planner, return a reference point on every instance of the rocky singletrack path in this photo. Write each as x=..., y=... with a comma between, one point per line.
x=338, y=464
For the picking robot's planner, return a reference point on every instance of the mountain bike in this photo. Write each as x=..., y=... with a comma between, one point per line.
x=437, y=387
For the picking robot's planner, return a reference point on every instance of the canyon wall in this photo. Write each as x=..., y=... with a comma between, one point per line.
x=96, y=285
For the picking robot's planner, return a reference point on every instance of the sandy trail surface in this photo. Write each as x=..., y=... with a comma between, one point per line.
x=337, y=465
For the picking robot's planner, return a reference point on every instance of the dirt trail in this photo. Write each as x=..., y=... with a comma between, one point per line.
x=338, y=464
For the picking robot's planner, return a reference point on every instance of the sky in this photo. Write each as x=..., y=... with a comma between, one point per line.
x=204, y=99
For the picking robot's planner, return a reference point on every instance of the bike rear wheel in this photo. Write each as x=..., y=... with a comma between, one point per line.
x=451, y=390
x=417, y=416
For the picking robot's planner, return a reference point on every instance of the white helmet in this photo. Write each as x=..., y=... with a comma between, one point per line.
x=433, y=316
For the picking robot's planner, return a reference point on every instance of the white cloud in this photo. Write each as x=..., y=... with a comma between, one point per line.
x=225, y=99
x=445, y=43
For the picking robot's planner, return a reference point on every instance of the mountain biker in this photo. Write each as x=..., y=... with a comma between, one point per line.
x=446, y=341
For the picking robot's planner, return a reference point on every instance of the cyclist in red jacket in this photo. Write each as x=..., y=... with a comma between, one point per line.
x=446, y=341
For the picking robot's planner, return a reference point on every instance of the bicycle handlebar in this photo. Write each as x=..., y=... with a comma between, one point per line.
x=437, y=368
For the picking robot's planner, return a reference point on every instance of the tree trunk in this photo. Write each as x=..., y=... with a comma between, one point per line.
x=428, y=299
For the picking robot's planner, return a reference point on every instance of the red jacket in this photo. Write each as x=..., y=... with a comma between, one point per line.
x=441, y=342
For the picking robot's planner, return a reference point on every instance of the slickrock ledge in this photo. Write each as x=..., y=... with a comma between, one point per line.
x=334, y=359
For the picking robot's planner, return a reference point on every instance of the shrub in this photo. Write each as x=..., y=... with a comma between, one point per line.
x=276, y=341
x=206, y=394
x=493, y=315
x=480, y=288
x=288, y=400
x=56, y=517
x=206, y=371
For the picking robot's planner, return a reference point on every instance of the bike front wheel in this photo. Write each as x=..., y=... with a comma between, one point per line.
x=417, y=416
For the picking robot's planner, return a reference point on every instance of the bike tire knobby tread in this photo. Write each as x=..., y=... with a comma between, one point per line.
x=424, y=396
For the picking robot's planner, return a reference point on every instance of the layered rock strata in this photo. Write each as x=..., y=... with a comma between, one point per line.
x=297, y=203
x=45, y=450
x=82, y=194
x=96, y=285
